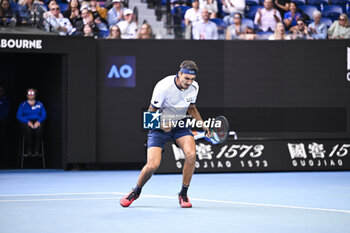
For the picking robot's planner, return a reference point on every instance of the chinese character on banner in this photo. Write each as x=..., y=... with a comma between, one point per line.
x=178, y=153
x=204, y=151
x=297, y=151
x=317, y=150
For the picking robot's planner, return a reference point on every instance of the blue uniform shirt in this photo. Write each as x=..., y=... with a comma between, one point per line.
x=288, y=15
x=28, y=113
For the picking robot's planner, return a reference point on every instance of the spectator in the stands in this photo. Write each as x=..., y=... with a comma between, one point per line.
x=101, y=24
x=291, y=17
x=87, y=19
x=128, y=27
x=249, y=34
x=300, y=31
x=235, y=30
x=31, y=114
x=280, y=33
x=114, y=32
x=267, y=17
x=230, y=7
x=8, y=16
x=340, y=29
x=56, y=23
x=115, y=14
x=98, y=11
x=205, y=29
x=32, y=13
x=73, y=5
x=282, y=6
x=48, y=13
x=23, y=2
x=73, y=14
x=317, y=28
x=233, y=6
x=193, y=15
x=88, y=31
x=109, y=4
x=211, y=5
x=145, y=32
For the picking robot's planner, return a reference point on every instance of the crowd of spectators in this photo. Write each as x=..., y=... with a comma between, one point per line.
x=199, y=19
x=78, y=18
x=273, y=20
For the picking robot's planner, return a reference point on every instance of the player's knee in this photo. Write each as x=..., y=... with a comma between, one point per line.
x=191, y=156
x=152, y=166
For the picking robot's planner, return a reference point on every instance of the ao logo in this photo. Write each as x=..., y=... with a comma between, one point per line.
x=125, y=71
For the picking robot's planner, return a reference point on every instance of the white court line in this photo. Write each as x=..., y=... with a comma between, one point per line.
x=60, y=199
x=59, y=194
x=151, y=196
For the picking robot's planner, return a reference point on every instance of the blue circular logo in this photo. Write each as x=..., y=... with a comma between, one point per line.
x=125, y=71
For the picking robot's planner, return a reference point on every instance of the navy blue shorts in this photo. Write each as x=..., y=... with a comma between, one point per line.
x=158, y=137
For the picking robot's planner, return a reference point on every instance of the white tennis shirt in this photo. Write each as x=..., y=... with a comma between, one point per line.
x=171, y=101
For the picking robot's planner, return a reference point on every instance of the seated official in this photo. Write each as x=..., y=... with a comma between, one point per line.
x=31, y=115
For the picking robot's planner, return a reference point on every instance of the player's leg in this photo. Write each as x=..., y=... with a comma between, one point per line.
x=188, y=146
x=38, y=132
x=154, y=156
x=155, y=144
x=28, y=132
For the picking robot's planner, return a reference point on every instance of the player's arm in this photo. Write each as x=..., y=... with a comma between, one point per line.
x=166, y=128
x=193, y=111
x=152, y=109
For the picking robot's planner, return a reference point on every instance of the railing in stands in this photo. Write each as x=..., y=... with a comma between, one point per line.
x=136, y=13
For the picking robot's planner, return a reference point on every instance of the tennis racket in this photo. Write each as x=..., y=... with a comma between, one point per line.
x=220, y=131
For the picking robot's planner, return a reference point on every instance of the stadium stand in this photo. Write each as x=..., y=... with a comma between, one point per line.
x=166, y=17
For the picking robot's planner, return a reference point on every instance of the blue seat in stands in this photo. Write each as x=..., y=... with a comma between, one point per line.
x=308, y=10
x=299, y=2
x=14, y=6
x=179, y=15
x=63, y=6
x=332, y=12
x=340, y=2
x=252, y=10
x=221, y=27
x=219, y=22
x=318, y=3
x=103, y=34
x=180, y=11
x=343, y=4
x=326, y=21
x=251, y=2
x=248, y=22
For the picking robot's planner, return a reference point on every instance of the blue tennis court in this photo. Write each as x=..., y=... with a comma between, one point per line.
x=53, y=201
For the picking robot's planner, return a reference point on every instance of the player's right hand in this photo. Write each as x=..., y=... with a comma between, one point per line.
x=165, y=128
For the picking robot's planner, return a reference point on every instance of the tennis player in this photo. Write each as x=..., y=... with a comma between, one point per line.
x=173, y=96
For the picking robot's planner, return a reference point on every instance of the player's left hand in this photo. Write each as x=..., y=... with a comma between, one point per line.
x=208, y=132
